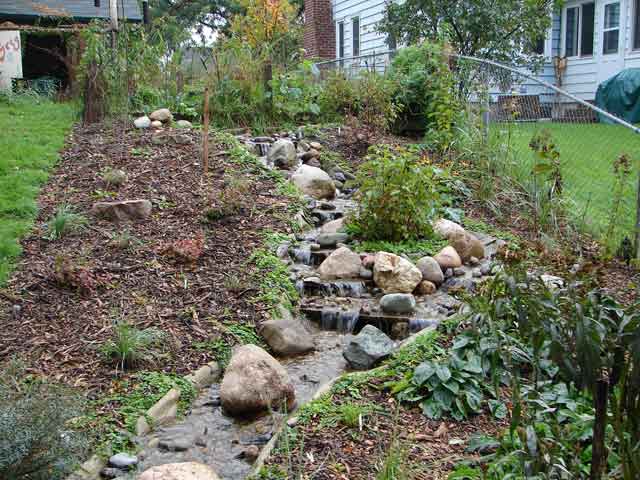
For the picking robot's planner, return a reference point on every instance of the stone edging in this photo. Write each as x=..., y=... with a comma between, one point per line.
x=268, y=448
x=161, y=412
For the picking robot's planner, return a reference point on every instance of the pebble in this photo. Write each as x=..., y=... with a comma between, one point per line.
x=474, y=261
x=448, y=273
x=459, y=271
x=123, y=460
x=476, y=273
x=251, y=453
x=112, y=473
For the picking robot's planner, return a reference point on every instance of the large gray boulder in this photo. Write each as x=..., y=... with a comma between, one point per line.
x=282, y=154
x=398, y=303
x=334, y=226
x=255, y=382
x=341, y=264
x=287, y=335
x=180, y=471
x=431, y=270
x=123, y=210
x=367, y=348
x=314, y=182
x=394, y=274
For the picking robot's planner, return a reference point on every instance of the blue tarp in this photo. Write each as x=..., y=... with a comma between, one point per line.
x=620, y=96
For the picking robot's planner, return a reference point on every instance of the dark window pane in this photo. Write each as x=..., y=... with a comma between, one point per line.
x=612, y=15
x=571, y=32
x=611, y=41
x=391, y=41
x=586, y=38
x=356, y=36
x=539, y=46
x=341, y=40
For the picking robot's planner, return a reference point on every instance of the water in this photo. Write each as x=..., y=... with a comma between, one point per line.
x=213, y=438
x=417, y=324
x=302, y=255
x=338, y=320
x=337, y=288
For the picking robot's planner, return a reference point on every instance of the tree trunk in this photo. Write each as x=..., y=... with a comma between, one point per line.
x=598, y=452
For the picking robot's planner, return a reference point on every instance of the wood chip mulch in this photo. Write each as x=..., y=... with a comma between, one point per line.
x=58, y=330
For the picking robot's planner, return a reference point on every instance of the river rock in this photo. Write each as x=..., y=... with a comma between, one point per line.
x=431, y=270
x=368, y=347
x=426, y=287
x=184, y=124
x=142, y=122
x=315, y=145
x=123, y=461
x=314, y=182
x=334, y=226
x=255, y=382
x=162, y=115
x=180, y=471
x=398, y=303
x=287, y=335
x=328, y=240
x=394, y=274
x=342, y=263
x=445, y=228
x=282, y=154
x=123, y=210
x=467, y=246
x=366, y=273
x=448, y=258
x=156, y=124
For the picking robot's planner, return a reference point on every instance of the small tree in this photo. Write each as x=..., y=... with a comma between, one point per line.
x=501, y=30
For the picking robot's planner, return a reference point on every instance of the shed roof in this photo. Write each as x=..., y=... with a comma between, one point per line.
x=72, y=9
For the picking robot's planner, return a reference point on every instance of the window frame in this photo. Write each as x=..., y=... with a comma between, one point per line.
x=611, y=29
x=635, y=27
x=355, y=39
x=579, y=18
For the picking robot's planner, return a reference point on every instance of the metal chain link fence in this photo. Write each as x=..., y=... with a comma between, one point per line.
x=577, y=165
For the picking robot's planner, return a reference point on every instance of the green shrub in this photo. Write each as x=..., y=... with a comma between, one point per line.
x=338, y=96
x=398, y=196
x=37, y=438
x=377, y=106
x=425, y=94
x=65, y=221
x=295, y=95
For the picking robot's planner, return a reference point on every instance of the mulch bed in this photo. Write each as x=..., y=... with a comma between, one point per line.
x=58, y=329
x=430, y=448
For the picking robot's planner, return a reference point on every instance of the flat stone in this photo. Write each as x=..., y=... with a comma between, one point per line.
x=156, y=124
x=366, y=273
x=459, y=271
x=110, y=472
x=123, y=460
x=334, y=226
x=367, y=348
x=398, y=303
x=328, y=240
x=180, y=471
x=123, y=210
x=467, y=246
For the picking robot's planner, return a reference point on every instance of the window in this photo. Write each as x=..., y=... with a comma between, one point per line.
x=392, y=44
x=611, y=31
x=340, y=39
x=578, y=31
x=355, y=30
x=539, y=46
x=636, y=25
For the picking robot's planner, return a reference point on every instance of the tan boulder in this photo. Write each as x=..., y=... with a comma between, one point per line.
x=448, y=258
x=124, y=210
x=161, y=115
x=467, y=246
x=426, y=287
x=446, y=228
x=341, y=264
x=180, y=471
x=394, y=274
x=315, y=182
x=334, y=226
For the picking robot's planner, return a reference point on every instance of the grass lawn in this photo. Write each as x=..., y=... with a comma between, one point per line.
x=32, y=135
x=587, y=154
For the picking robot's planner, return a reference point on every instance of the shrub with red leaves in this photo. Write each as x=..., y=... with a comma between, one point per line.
x=188, y=250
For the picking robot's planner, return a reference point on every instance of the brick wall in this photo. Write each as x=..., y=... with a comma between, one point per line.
x=319, y=29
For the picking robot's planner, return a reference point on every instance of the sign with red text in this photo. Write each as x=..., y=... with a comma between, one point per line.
x=10, y=58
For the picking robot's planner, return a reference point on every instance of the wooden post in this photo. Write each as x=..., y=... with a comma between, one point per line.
x=205, y=133
x=637, y=236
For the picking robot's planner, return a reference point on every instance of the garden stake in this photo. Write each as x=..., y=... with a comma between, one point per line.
x=205, y=133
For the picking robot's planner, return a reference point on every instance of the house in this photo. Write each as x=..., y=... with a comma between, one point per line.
x=588, y=42
x=40, y=42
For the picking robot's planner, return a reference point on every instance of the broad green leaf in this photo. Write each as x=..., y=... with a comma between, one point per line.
x=423, y=372
x=473, y=400
x=443, y=372
x=498, y=409
x=432, y=409
x=452, y=386
x=444, y=396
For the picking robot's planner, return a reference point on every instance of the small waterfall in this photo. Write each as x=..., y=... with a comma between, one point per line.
x=300, y=287
x=417, y=324
x=343, y=288
x=263, y=148
x=343, y=322
x=302, y=255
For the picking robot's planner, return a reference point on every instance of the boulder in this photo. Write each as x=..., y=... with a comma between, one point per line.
x=328, y=240
x=334, y=226
x=426, y=287
x=184, y=124
x=431, y=270
x=467, y=246
x=448, y=258
x=156, y=124
x=315, y=145
x=255, y=382
x=367, y=348
x=162, y=115
x=142, y=122
x=314, y=182
x=123, y=210
x=342, y=263
x=394, y=274
x=287, y=335
x=445, y=228
x=123, y=461
x=398, y=303
x=180, y=471
x=282, y=154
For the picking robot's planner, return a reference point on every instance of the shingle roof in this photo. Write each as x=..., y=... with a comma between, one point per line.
x=77, y=9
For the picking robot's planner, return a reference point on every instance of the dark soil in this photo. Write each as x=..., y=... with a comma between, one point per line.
x=429, y=449
x=58, y=326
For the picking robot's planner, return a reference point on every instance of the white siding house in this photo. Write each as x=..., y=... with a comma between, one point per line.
x=598, y=38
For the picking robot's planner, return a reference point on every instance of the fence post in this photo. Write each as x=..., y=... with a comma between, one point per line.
x=205, y=133
x=637, y=236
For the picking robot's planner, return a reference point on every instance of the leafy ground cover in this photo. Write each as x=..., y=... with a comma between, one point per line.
x=32, y=135
x=587, y=156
